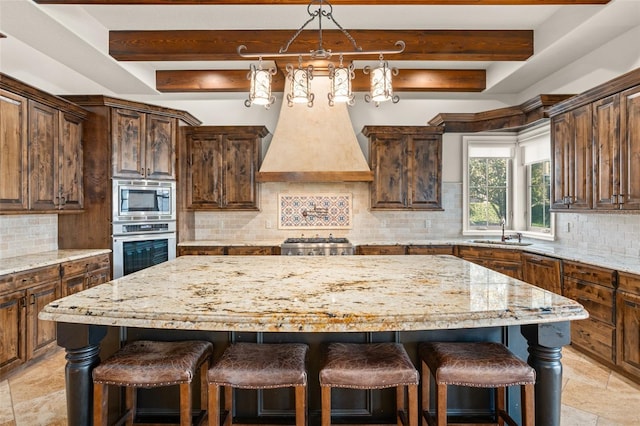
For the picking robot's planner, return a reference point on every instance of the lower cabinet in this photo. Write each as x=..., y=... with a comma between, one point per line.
x=435, y=249
x=24, y=294
x=542, y=271
x=628, y=323
x=508, y=262
x=381, y=249
x=594, y=288
x=228, y=250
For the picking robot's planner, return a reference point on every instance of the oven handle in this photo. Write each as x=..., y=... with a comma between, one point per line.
x=143, y=237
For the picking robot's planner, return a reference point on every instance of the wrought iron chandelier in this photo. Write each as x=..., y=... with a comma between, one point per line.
x=341, y=76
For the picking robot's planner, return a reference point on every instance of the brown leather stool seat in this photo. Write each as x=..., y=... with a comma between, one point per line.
x=258, y=366
x=149, y=364
x=370, y=366
x=475, y=364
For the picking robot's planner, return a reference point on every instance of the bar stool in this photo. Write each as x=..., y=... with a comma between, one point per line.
x=370, y=366
x=258, y=366
x=475, y=364
x=149, y=364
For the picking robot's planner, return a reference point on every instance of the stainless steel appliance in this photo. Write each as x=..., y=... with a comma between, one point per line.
x=139, y=245
x=316, y=246
x=138, y=200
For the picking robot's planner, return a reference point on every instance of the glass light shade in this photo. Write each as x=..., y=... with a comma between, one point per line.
x=381, y=84
x=260, y=89
x=341, y=85
x=300, y=92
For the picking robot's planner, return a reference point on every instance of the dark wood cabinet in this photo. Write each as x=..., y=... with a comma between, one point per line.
x=630, y=149
x=407, y=165
x=380, y=249
x=628, y=323
x=542, y=271
x=144, y=145
x=221, y=166
x=41, y=156
x=505, y=261
x=571, y=147
x=78, y=275
x=41, y=335
x=431, y=249
x=606, y=150
x=13, y=155
x=12, y=339
x=594, y=288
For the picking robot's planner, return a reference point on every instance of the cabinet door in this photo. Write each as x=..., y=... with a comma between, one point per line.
x=389, y=164
x=239, y=176
x=572, y=159
x=606, y=145
x=73, y=284
x=425, y=172
x=160, y=147
x=13, y=155
x=128, y=133
x=542, y=271
x=628, y=330
x=12, y=349
x=630, y=141
x=204, y=178
x=44, y=123
x=70, y=163
x=41, y=335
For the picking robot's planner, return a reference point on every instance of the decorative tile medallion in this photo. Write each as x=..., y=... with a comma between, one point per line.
x=316, y=211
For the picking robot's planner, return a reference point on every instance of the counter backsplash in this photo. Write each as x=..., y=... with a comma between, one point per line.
x=27, y=234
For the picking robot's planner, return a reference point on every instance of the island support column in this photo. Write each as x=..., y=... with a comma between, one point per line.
x=82, y=343
x=545, y=351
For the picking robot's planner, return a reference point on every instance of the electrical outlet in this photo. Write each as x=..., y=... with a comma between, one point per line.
x=568, y=226
x=267, y=224
x=427, y=223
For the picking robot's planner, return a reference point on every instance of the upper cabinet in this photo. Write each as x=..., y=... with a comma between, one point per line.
x=596, y=147
x=41, y=156
x=407, y=165
x=144, y=145
x=220, y=167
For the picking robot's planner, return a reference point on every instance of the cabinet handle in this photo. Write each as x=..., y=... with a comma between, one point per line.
x=148, y=172
x=33, y=299
x=621, y=199
x=23, y=302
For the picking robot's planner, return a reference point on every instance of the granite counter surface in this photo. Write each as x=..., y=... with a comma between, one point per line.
x=314, y=294
x=12, y=265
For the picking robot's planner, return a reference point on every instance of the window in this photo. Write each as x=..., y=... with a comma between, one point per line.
x=508, y=177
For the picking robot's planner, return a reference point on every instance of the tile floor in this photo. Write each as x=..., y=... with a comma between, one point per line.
x=592, y=395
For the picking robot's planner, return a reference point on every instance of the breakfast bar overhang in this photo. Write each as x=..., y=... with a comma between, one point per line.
x=288, y=294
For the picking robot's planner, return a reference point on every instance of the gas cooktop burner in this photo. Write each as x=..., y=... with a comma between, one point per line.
x=316, y=240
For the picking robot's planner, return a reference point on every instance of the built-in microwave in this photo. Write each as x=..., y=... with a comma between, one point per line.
x=143, y=200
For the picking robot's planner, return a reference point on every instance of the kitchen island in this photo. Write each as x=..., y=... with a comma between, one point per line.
x=334, y=296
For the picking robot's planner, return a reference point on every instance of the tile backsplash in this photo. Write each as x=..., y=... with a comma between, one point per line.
x=367, y=225
x=615, y=234
x=27, y=234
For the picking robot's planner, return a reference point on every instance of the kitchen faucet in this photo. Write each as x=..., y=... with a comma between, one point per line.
x=504, y=238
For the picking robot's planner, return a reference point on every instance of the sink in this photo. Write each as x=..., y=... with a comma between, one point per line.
x=500, y=242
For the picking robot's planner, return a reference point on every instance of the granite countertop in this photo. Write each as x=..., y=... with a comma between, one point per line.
x=314, y=294
x=12, y=265
x=548, y=248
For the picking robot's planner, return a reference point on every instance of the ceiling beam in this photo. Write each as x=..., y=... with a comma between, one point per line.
x=333, y=2
x=408, y=80
x=221, y=45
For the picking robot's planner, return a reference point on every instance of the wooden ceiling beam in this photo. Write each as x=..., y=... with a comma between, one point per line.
x=333, y=2
x=408, y=80
x=421, y=45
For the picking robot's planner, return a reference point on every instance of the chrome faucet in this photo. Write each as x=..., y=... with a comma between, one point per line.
x=504, y=238
x=502, y=222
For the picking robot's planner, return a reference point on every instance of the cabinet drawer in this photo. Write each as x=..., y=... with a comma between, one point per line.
x=595, y=337
x=33, y=276
x=626, y=282
x=200, y=250
x=488, y=253
x=82, y=266
x=381, y=249
x=596, y=299
x=430, y=249
x=594, y=274
x=250, y=250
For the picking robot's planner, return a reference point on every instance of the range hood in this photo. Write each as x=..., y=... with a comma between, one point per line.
x=314, y=144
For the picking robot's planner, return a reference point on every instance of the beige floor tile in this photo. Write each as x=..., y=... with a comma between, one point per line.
x=46, y=377
x=573, y=417
x=50, y=410
x=6, y=407
x=576, y=366
x=598, y=400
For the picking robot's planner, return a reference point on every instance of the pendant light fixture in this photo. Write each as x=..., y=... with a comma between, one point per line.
x=340, y=76
x=260, y=90
x=381, y=83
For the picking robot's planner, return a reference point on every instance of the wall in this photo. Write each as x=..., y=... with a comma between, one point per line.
x=27, y=234
x=368, y=225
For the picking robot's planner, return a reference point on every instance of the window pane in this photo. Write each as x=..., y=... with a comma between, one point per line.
x=539, y=195
x=488, y=186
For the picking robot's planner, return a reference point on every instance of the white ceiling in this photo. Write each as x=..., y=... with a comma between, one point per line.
x=64, y=48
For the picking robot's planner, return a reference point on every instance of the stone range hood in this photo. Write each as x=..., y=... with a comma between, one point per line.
x=314, y=144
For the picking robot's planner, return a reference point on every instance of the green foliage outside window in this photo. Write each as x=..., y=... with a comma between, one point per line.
x=540, y=194
x=488, y=185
